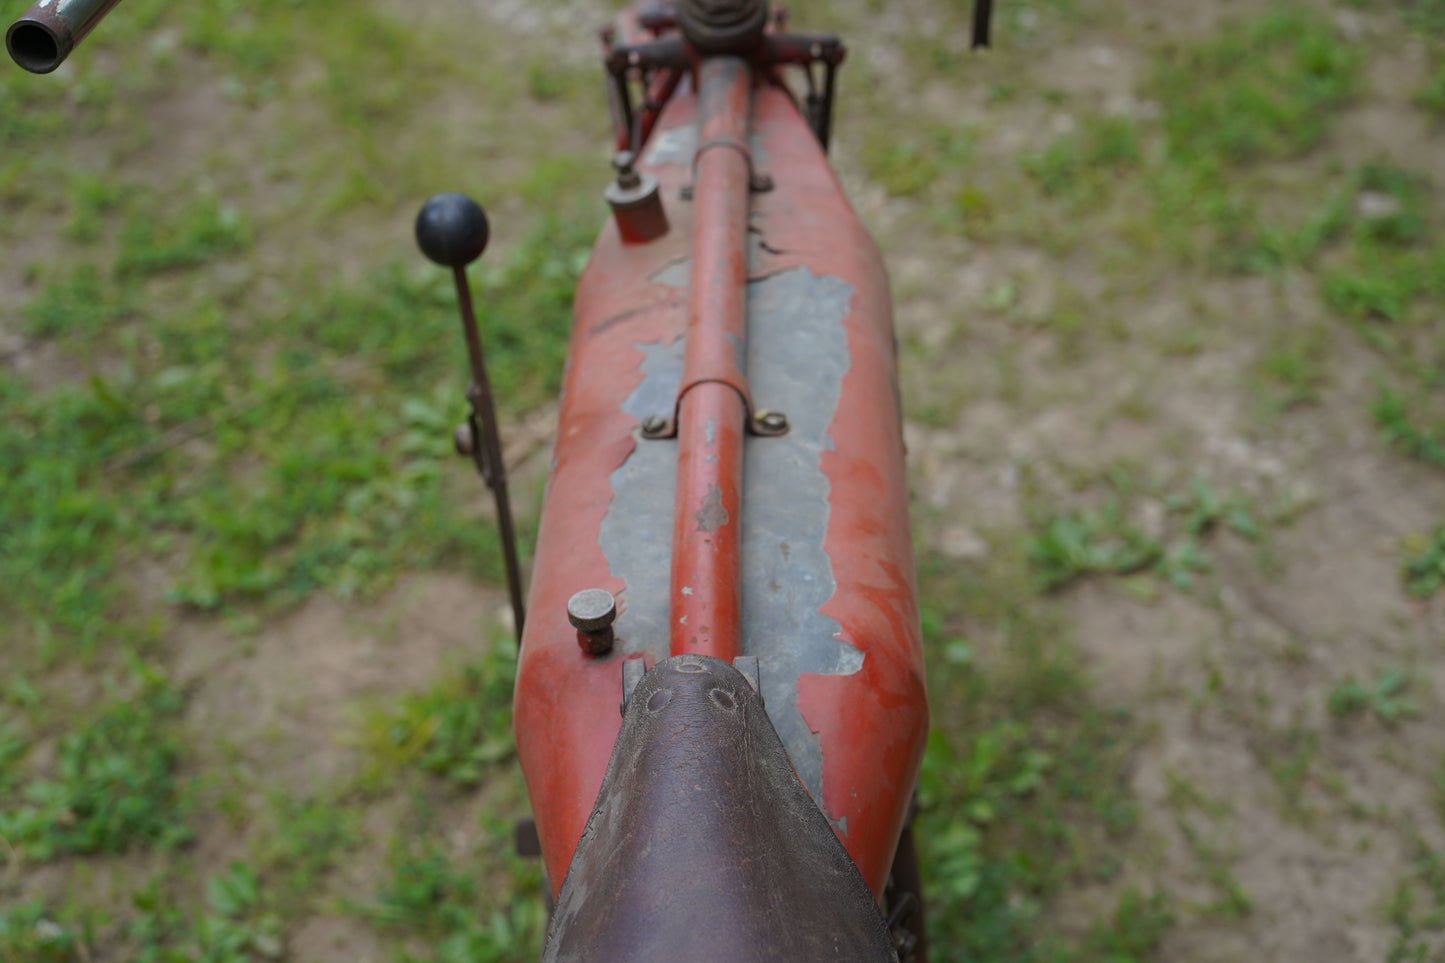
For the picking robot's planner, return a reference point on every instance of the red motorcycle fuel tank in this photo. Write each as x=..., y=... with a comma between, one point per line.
x=817, y=531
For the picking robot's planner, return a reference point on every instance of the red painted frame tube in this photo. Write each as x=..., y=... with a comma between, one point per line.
x=712, y=411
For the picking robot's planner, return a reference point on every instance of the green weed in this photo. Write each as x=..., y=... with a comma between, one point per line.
x=1432, y=96
x=1399, y=429
x=92, y=198
x=115, y=784
x=1256, y=91
x=1294, y=368
x=1384, y=698
x=1072, y=546
x=908, y=165
x=1379, y=288
x=1135, y=930
x=236, y=927
x=1104, y=541
x=309, y=835
x=1422, y=565
x=59, y=528
x=207, y=231
x=436, y=904
x=29, y=933
x=1204, y=510
x=1427, y=15
x=1416, y=904
x=1094, y=157
x=1392, y=262
x=1400, y=204
x=454, y=730
x=80, y=305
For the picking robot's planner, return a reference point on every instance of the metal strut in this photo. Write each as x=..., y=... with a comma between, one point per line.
x=712, y=412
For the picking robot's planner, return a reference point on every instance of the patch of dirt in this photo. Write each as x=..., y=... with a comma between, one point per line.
x=286, y=700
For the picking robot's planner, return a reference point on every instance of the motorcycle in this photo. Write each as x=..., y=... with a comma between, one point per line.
x=720, y=708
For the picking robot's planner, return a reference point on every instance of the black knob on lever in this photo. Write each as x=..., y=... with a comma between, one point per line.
x=452, y=230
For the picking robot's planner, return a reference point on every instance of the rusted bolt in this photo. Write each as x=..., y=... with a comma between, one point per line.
x=462, y=440
x=592, y=612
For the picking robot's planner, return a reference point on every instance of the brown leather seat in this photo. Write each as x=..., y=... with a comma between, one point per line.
x=704, y=846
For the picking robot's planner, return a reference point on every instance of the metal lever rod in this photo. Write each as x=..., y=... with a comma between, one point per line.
x=452, y=230
x=487, y=444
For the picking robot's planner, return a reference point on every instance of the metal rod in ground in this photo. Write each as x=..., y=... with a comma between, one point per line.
x=487, y=447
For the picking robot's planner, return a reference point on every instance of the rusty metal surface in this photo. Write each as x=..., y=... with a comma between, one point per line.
x=703, y=846
x=45, y=35
x=608, y=521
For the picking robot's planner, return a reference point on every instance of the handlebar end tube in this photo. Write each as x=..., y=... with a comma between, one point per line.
x=47, y=33
x=37, y=46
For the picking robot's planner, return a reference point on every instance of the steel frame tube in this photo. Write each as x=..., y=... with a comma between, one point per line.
x=706, y=592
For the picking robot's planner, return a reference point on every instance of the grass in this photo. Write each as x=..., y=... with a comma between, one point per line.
x=249, y=418
x=1422, y=563
x=433, y=901
x=1416, y=905
x=1019, y=795
x=235, y=926
x=1400, y=430
x=456, y=730
x=1262, y=90
x=114, y=785
x=1104, y=150
x=29, y=932
x=332, y=495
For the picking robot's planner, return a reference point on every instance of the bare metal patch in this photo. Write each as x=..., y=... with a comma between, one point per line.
x=797, y=355
x=636, y=532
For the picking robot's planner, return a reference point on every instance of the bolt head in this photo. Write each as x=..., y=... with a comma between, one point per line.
x=773, y=420
x=592, y=610
x=452, y=229
x=653, y=424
